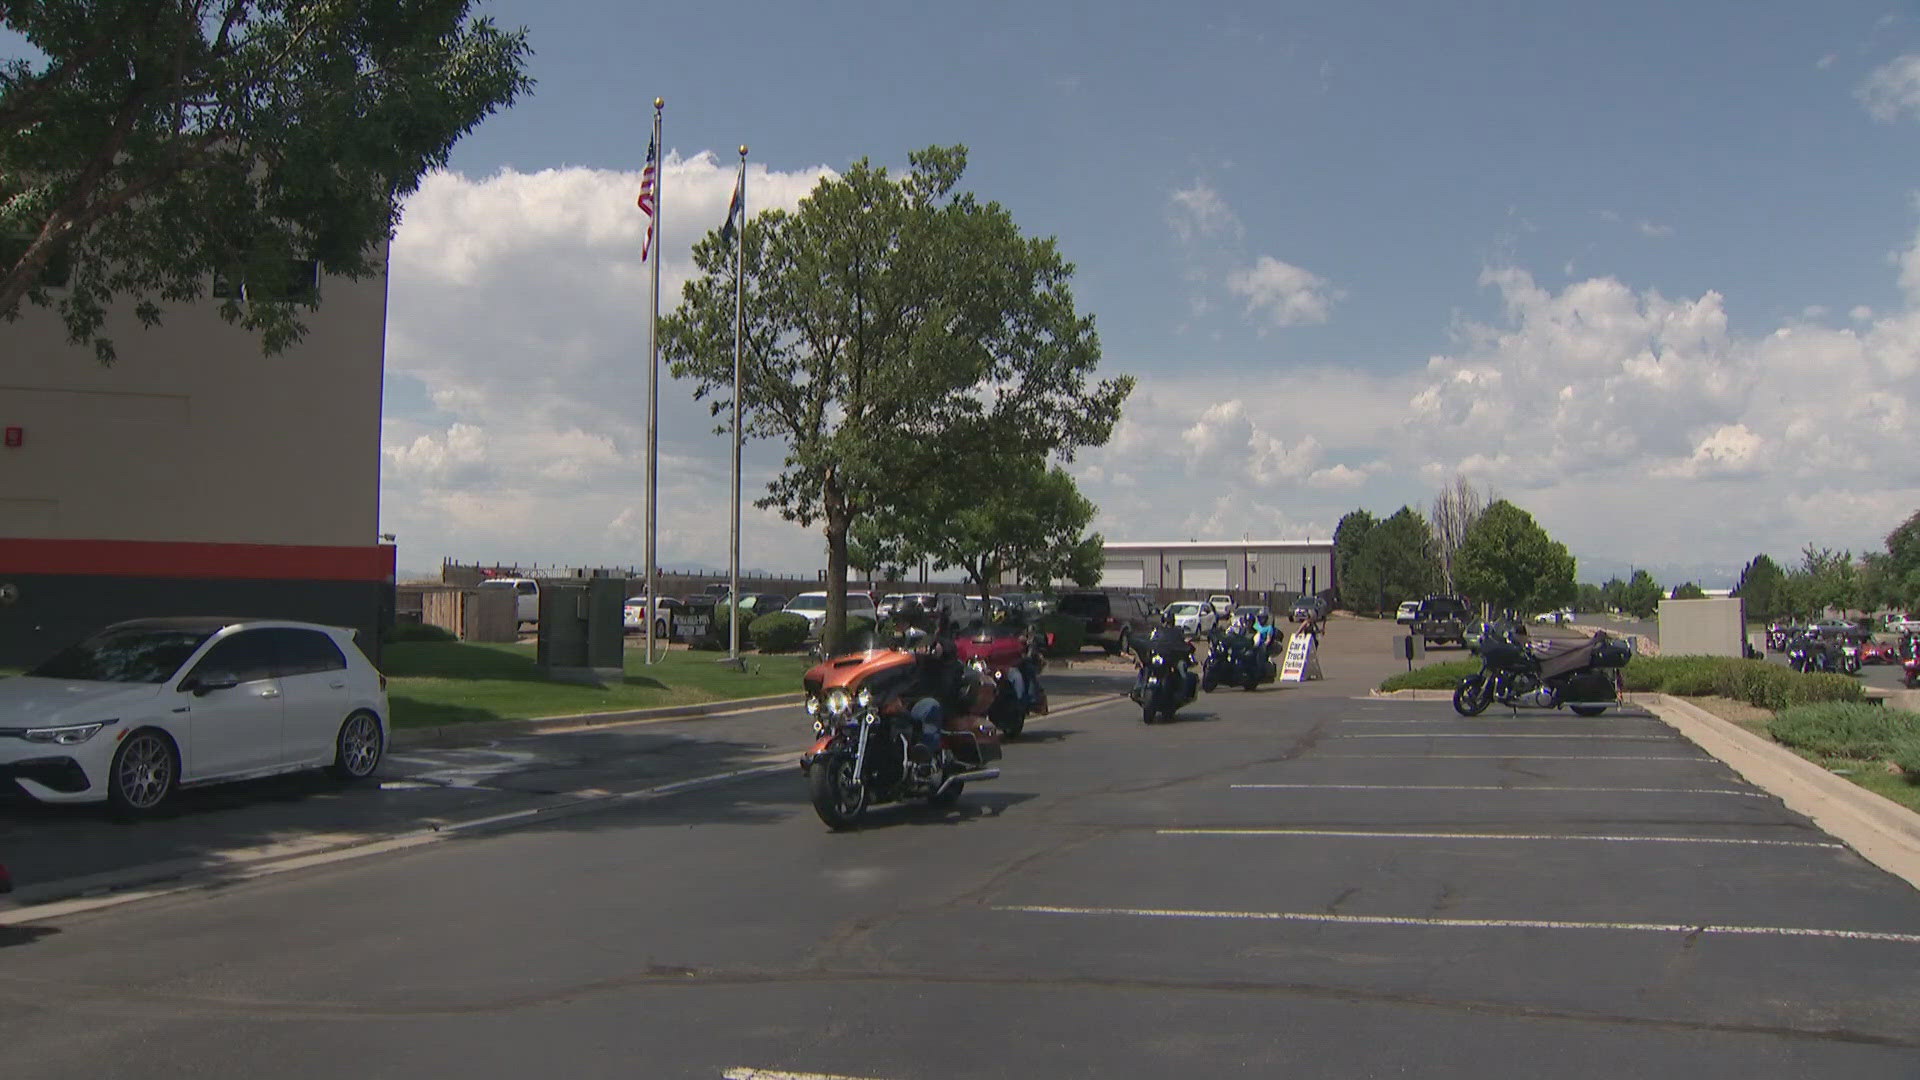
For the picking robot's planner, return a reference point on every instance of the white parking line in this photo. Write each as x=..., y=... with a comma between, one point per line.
x=776, y=1074
x=1496, y=787
x=1355, y=834
x=1506, y=757
x=1475, y=924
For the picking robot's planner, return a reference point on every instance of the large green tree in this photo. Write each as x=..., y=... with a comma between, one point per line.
x=1896, y=574
x=1508, y=561
x=894, y=326
x=1355, y=579
x=1762, y=586
x=1640, y=595
x=152, y=147
x=1400, y=557
x=1001, y=514
x=1589, y=598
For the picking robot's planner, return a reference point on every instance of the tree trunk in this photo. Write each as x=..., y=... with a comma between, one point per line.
x=834, y=632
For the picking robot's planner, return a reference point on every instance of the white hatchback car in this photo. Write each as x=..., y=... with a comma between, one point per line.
x=145, y=707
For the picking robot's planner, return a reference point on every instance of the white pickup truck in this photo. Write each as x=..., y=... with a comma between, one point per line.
x=527, y=596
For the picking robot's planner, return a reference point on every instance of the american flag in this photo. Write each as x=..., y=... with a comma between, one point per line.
x=646, y=196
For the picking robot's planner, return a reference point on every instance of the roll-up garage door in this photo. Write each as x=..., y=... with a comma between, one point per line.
x=1124, y=574
x=1203, y=573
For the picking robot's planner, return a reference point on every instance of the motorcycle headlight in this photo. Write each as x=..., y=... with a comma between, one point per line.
x=865, y=698
x=813, y=705
x=66, y=735
x=839, y=702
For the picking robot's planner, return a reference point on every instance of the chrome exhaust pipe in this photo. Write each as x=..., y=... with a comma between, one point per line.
x=958, y=778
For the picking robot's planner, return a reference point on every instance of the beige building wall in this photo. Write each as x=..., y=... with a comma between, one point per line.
x=1703, y=627
x=192, y=434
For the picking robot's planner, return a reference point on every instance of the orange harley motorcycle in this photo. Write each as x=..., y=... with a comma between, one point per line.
x=861, y=707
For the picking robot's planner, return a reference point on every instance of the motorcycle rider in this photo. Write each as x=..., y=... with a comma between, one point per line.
x=937, y=685
x=1012, y=618
x=1167, y=638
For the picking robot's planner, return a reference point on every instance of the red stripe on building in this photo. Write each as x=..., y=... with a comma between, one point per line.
x=173, y=559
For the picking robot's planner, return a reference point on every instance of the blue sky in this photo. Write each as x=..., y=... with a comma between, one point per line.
x=1574, y=251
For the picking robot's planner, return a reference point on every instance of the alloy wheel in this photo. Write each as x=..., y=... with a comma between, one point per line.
x=145, y=773
x=360, y=745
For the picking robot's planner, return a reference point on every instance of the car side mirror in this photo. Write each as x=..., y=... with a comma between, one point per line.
x=202, y=685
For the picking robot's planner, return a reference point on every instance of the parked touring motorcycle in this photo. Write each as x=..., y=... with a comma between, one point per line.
x=861, y=707
x=1585, y=678
x=1166, y=679
x=1012, y=659
x=1237, y=659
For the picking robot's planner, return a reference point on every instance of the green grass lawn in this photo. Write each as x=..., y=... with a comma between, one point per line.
x=454, y=682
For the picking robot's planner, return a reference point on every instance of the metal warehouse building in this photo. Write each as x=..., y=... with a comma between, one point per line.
x=194, y=476
x=1277, y=566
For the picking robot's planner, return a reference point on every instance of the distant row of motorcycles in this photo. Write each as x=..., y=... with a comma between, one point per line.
x=1240, y=655
x=1811, y=650
x=918, y=713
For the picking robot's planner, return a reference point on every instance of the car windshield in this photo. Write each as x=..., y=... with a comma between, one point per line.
x=125, y=655
x=1184, y=608
x=809, y=602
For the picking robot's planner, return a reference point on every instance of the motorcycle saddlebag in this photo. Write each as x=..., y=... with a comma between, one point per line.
x=1590, y=685
x=1612, y=653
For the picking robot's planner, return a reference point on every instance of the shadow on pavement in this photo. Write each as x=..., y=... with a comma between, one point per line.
x=22, y=935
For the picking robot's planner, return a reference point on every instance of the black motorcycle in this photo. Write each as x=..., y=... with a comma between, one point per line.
x=1585, y=678
x=1166, y=679
x=1236, y=660
x=1811, y=653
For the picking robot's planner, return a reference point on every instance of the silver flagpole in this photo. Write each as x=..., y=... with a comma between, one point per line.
x=739, y=329
x=653, y=370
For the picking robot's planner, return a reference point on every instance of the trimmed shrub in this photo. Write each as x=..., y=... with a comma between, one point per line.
x=779, y=631
x=1908, y=758
x=1847, y=729
x=1069, y=633
x=401, y=633
x=1441, y=676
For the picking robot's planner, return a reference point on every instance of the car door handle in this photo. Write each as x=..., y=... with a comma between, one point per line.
x=338, y=685
x=269, y=692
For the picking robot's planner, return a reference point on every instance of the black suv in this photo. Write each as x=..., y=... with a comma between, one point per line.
x=1442, y=619
x=1111, y=620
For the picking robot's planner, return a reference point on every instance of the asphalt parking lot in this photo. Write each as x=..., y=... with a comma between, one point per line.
x=59, y=851
x=1283, y=883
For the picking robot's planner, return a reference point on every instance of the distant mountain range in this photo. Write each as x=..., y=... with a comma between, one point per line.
x=1706, y=575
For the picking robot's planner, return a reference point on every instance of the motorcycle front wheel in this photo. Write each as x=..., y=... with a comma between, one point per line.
x=838, y=796
x=1472, y=696
x=1149, y=704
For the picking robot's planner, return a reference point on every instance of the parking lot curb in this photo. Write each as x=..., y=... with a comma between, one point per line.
x=447, y=735
x=1882, y=831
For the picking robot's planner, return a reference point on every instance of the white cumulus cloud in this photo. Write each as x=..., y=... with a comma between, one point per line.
x=1283, y=294
x=1893, y=89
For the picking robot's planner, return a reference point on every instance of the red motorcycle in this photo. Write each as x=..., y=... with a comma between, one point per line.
x=866, y=735
x=1012, y=659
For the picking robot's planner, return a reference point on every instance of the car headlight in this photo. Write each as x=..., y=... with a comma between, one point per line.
x=839, y=702
x=68, y=735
